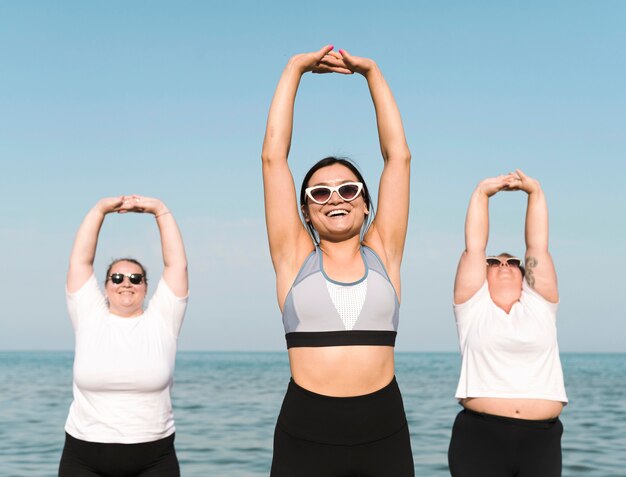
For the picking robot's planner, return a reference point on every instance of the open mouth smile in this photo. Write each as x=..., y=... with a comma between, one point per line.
x=337, y=213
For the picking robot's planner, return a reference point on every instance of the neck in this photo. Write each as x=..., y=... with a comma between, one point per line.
x=126, y=313
x=346, y=248
x=504, y=297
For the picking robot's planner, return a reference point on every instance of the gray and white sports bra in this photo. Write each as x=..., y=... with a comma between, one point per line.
x=320, y=311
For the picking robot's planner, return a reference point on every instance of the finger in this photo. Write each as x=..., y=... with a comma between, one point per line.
x=520, y=174
x=334, y=54
x=323, y=51
x=346, y=56
x=332, y=58
x=513, y=184
x=323, y=69
x=343, y=71
x=331, y=61
x=125, y=204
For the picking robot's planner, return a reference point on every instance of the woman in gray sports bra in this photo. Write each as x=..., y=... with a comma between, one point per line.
x=338, y=287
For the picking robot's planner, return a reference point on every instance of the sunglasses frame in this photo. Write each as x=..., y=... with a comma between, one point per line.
x=129, y=276
x=507, y=260
x=309, y=191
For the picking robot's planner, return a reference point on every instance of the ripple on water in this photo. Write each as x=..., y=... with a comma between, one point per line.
x=226, y=406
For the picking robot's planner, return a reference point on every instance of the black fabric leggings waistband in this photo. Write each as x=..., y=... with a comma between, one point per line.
x=530, y=423
x=342, y=420
x=99, y=459
x=484, y=445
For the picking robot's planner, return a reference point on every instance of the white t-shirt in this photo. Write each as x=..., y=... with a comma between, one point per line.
x=123, y=367
x=509, y=356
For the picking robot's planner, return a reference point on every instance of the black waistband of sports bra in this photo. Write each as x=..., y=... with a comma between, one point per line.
x=318, y=339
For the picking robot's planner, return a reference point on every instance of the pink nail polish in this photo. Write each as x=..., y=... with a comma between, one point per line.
x=342, y=51
x=331, y=47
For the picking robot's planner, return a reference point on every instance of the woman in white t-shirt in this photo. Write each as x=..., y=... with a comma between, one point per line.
x=120, y=421
x=511, y=384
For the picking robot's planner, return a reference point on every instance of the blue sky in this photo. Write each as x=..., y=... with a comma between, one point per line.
x=169, y=99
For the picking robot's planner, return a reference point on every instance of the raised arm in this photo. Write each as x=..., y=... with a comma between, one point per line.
x=391, y=221
x=84, y=249
x=172, y=247
x=288, y=239
x=540, y=271
x=472, y=270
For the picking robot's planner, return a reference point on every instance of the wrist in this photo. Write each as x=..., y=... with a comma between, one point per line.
x=159, y=209
x=535, y=193
x=371, y=70
x=482, y=191
x=295, y=66
x=161, y=213
x=100, y=209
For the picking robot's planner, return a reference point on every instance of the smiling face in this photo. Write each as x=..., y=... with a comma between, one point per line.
x=337, y=219
x=125, y=299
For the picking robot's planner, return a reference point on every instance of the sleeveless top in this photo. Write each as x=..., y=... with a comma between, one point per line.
x=320, y=311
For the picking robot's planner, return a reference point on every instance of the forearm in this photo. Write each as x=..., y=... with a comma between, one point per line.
x=393, y=143
x=172, y=246
x=471, y=272
x=280, y=118
x=84, y=248
x=537, y=222
x=477, y=223
x=174, y=257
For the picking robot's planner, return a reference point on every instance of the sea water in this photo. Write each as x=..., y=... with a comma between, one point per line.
x=226, y=404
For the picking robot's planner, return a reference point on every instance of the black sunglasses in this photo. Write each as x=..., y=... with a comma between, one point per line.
x=134, y=278
x=510, y=261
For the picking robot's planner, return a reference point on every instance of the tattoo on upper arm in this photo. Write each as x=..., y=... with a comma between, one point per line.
x=531, y=263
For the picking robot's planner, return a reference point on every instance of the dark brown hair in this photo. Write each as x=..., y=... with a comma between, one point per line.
x=329, y=161
x=127, y=259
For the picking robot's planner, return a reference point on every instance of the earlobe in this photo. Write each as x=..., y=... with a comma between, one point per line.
x=305, y=214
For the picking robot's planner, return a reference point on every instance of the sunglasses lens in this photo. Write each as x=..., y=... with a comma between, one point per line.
x=348, y=191
x=135, y=278
x=320, y=194
x=117, y=278
x=493, y=262
x=514, y=262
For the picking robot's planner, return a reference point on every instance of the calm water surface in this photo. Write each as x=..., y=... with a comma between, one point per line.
x=226, y=405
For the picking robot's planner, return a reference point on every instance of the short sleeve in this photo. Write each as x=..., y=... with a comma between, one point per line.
x=86, y=303
x=464, y=311
x=532, y=298
x=169, y=307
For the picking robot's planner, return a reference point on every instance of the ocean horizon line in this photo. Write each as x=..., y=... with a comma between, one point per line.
x=281, y=351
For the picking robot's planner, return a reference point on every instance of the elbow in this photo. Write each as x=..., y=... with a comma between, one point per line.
x=266, y=157
x=268, y=153
x=183, y=265
x=179, y=267
x=269, y=158
x=400, y=155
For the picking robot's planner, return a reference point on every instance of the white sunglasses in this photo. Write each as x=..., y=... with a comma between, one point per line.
x=497, y=261
x=321, y=194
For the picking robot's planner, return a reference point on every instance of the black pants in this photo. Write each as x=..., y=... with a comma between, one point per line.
x=327, y=436
x=484, y=445
x=96, y=459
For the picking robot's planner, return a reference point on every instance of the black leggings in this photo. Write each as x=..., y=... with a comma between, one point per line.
x=484, y=445
x=327, y=436
x=96, y=459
